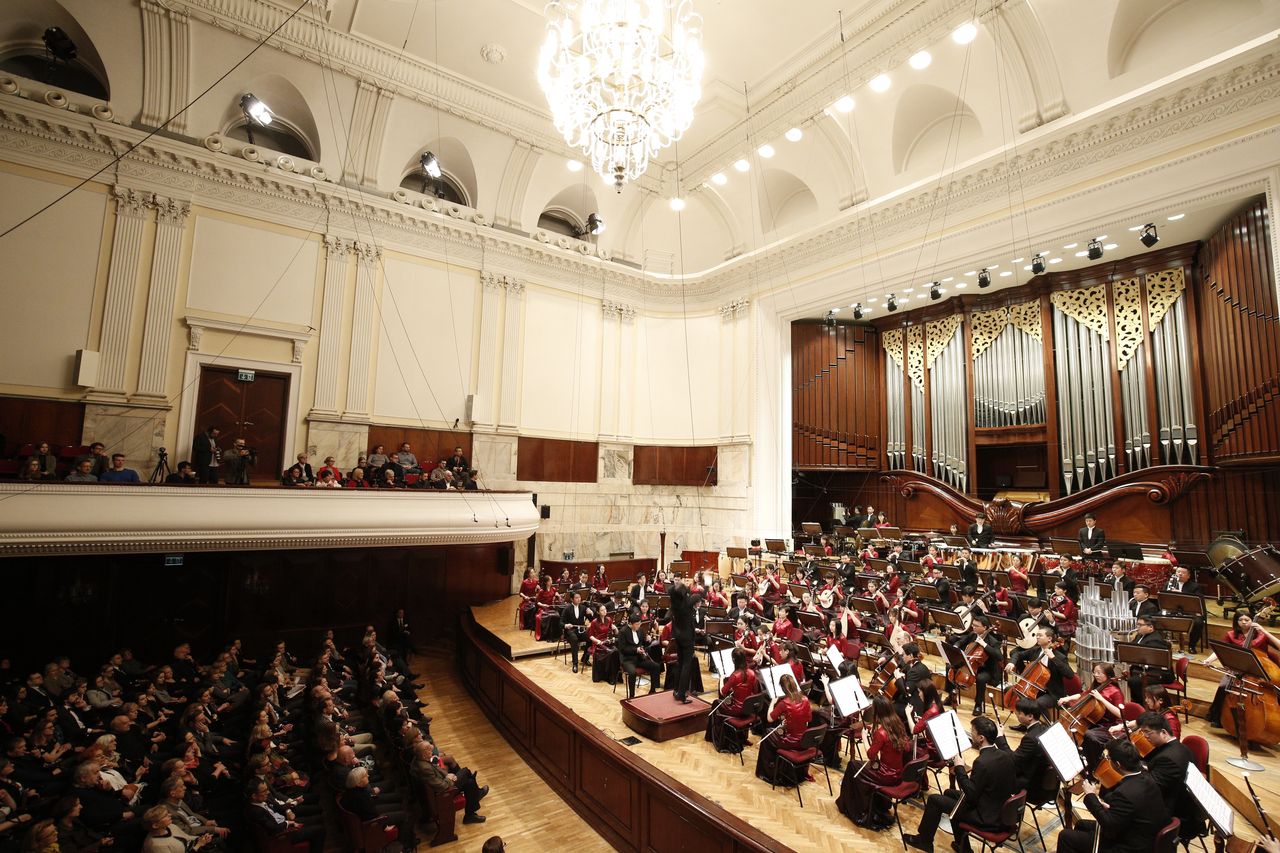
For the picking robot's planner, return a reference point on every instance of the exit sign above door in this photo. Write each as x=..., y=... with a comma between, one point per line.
x=245, y=375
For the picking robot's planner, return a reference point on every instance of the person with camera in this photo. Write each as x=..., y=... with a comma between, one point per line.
x=236, y=462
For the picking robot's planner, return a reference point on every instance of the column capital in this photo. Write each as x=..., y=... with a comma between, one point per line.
x=171, y=211
x=734, y=308
x=336, y=245
x=623, y=312
x=130, y=202
x=367, y=253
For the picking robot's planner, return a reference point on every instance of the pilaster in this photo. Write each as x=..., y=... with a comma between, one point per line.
x=610, y=335
x=157, y=333
x=337, y=259
x=166, y=66
x=362, y=332
x=491, y=300
x=122, y=282
x=509, y=411
x=626, y=371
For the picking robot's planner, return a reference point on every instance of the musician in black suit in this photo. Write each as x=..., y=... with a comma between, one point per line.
x=1030, y=763
x=968, y=569
x=1142, y=604
x=984, y=792
x=1139, y=676
x=1180, y=581
x=640, y=590
x=1121, y=581
x=1053, y=657
x=1167, y=763
x=573, y=621
x=740, y=610
x=911, y=675
x=989, y=672
x=1133, y=813
x=682, y=606
x=1091, y=537
x=980, y=533
x=633, y=653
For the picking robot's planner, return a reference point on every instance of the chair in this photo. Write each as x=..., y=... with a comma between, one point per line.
x=797, y=760
x=1178, y=687
x=281, y=843
x=1049, y=784
x=904, y=790
x=365, y=836
x=440, y=808
x=1131, y=711
x=26, y=450
x=10, y=467
x=1010, y=819
x=1199, y=749
x=1167, y=839
x=410, y=479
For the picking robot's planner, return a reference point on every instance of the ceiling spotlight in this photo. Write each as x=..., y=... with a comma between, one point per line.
x=1149, y=237
x=255, y=109
x=1136, y=228
x=574, y=165
x=984, y=278
x=59, y=44
x=719, y=179
x=1071, y=245
x=676, y=204
x=965, y=33
x=595, y=225
x=1016, y=261
x=1037, y=264
x=1095, y=249
x=845, y=104
x=742, y=165
x=766, y=151
x=1006, y=274
x=892, y=302
x=1083, y=253
x=880, y=83
x=1110, y=246
x=920, y=61
x=430, y=165
x=935, y=291
x=857, y=311
x=831, y=320
x=1176, y=217
x=795, y=134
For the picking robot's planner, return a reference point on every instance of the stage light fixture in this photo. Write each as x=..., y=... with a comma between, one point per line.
x=857, y=311
x=255, y=109
x=1149, y=237
x=1095, y=249
x=59, y=44
x=831, y=320
x=1037, y=264
x=892, y=303
x=595, y=225
x=935, y=291
x=430, y=165
x=984, y=278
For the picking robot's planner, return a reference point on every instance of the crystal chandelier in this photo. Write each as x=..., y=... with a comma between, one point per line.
x=620, y=86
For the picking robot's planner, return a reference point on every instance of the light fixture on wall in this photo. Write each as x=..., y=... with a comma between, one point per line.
x=59, y=44
x=622, y=78
x=857, y=311
x=595, y=225
x=430, y=172
x=984, y=278
x=831, y=319
x=1095, y=249
x=255, y=112
x=1149, y=237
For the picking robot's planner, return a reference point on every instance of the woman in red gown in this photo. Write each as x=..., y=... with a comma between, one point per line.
x=604, y=659
x=546, y=624
x=1062, y=610
x=741, y=685
x=716, y=597
x=600, y=583
x=795, y=713
x=887, y=755
x=932, y=704
x=1104, y=688
x=1240, y=627
x=528, y=606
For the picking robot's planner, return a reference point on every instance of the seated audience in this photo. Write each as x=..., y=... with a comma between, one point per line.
x=83, y=472
x=117, y=473
x=184, y=476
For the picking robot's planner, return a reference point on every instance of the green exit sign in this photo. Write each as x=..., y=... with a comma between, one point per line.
x=245, y=375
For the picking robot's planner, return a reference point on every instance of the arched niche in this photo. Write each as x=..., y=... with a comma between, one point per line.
x=786, y=202
x=456, y=168
x=1162, y=33
x=931, y=125
x=567, y=211
x=22, y=49
x=293, y=127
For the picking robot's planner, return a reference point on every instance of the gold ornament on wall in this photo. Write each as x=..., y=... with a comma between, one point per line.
x=1163, y=290
x=915, y=354
x=892, y=343
x=1127, y=300
x=1087, y=306
x=940, y=333
x=987, y=326
x=1026, y=316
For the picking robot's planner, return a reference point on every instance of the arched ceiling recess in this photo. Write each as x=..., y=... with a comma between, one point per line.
x=1030, y=67
x=786, y=202
x=573, y=203
x=288, y=106
x=930, y=127
x=455, y=164
x=22, y=26
x=1161, y=32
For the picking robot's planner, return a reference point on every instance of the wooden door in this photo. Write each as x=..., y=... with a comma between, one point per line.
x=253, y=410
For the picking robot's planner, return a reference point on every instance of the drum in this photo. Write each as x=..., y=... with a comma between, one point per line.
x=1254, y=575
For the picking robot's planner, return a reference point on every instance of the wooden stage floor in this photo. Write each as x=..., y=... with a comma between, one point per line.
x=819, y=826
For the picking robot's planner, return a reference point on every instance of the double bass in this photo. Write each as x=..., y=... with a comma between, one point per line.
x=1255, y=700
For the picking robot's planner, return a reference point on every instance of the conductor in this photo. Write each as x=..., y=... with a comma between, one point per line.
x=683, y=604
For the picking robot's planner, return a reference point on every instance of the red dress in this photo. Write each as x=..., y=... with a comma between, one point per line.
x=740, y=686
x=716, y=599
x=1259, y=639
x=528, y=589
x=598, y=630
x=1067, y=607
x=795, y=715
x=545, y=599
x=747, y=639
x=600, y=583
x=1171, y=717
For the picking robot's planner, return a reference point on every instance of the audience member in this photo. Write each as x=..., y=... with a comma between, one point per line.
x=377, y=456
x=331, y=466
x=235, y=464
x=205, y=454
x=47, y=462
x=83, y=472
x=457, y=463
x=31, y=472
x=184, y=476
x=118, y=473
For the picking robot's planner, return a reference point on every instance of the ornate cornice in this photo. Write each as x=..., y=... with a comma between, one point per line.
x=735, y=309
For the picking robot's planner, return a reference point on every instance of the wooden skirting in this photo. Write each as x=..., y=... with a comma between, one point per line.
x=632, y=804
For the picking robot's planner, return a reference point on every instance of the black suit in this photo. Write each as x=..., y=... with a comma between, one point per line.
x=1197, y=627
x=1168, y=766
x=202, y=457
x=1124, y=582
x=1158, y=675
x=1059, y=670
x=633, y=653
x=682, y=605
x=1091, y=540
x=1135, y=816
x=1144, y=608
x=968, y=573
x=1030, y=765
x=272, y=822
x=981, y=538
x=573, y=620
x=909, y=688
x=985, y=791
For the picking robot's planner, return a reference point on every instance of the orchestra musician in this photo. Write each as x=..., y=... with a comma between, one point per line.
x=882, y=520
x=931, y=557
x=1240, y=627
x=715, y=597
x=1106, y=691
x=911, y=674
x=787, y=625
x=740, y=610
x=794, y=711
x=1019, y=579
x=573, y=621
x=935, y=578
x=838, y=725
x=1142, y=604
x=1167, y=763
x=980, y=796
x=867, y=520
x=1128, y=816
x=1139, y=676
x=1157, y=699
x=931, y=706
x=877, y=596
x=640, y=590
x=1180, y=581
x=582, y=584
x=546, y=623
x=1119, y=580
x=980, y=534
x=770, y=592
x=784, y=653
x=1092, y=539
x=528, y=604
x=739, y=686
x=988, y=672
x=895, y=635
x=633, y=654
x=1036, y=612
x=1066, y=572
x=968, y=569
x=887, y=752
x=1047, y=651
x=600, y=637
x=838, y=636
x=600, y=583
x=744, y=638
x=1030, y=763
x=908, y=611
x=1062, y=610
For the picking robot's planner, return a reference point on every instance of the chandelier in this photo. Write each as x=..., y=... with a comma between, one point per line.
x=620, y=86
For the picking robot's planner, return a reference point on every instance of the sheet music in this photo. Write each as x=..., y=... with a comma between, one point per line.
x=1062, y=752
x=1218, y=810
x=771, y=678
x=833, y=655
x=722, y=661
x=848, y=696
x=943, y=731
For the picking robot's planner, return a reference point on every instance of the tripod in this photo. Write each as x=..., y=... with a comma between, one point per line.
x=161, y=471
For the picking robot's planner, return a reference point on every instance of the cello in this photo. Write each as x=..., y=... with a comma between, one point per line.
x=1255, y=700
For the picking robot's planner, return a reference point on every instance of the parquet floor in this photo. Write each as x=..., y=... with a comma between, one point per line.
x=521, y=807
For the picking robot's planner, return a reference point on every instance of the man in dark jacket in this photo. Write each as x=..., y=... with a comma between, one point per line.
x=1131, y=816
x=683, y=604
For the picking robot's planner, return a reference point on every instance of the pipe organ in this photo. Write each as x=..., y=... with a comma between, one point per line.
x=1082, y=361
x=1008, y=366
x=895, y=435
x=948, y=401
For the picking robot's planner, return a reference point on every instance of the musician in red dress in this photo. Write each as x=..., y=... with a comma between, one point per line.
x=715, y=597
x=931, y=706
x=1105, y=690
x=784, y=652
x=931, y=558
x=600, y=583
x=849, y=647
x=1018, y=577
x=741, y=685
x=528, y=604
x=787, y=625
x=1062, y=610
x=886, y=756
x=744, y=638
x=770, y=592
x=795, y=713
x=604, y=662
x=546, y=624
x=1261, y=640
x=840, y=725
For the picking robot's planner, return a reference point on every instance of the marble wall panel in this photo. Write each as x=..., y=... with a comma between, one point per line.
x=136, y=432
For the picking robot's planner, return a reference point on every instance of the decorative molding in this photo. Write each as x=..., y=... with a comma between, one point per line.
x=170, y=211
x=915, y=354
x=1163, y=290
x=617, y=310
x=891, y=340
x=256, y=329
x=122, y=285
x=130, y=202
x=299, y=345
x=194, y=334
x=735, y=308
x=171, y=219
x=1087, y=306
x=1026, y=316
x=1126, y=298
x=986, y=327
x=338, y=251
x=938, y=334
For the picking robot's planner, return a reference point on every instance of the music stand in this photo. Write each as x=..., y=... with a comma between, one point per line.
x=1066, y=547
x=1238, y=665
x=775, y=546
x=1005, y=626
x=947, y=619
x=1144, y=656
x=859, y=604
x=680, y=568
x=911, y=567
x=811, y=620
x=814, y=551
x=1179, y=625
x=754, y=705
x=951, y=572
x=894, y=533
x=811, y=529
x=925, y=592
x=954, y=657
x=714, y=613
x=1183, y=605
x=872, y=638
x=733, y=552
x=844, y=532
x=955, y=541
x=797, y=590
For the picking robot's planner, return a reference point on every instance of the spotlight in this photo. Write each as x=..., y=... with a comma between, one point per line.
x=574, y=165
x=741, y=165
x=831, y=320
x=676, y=204
x=934, y=291
x=880, y=83
x=595, y=225
x=984, y=278
x=255, y=109
x=795, y=134
x=1037, y=264
x=430, y=165
x=1095, y=249
x=845, y=104
x=1149, y=237
x=892, y=303
x=766, y=151
x=719, y=179
x=59, y=44
x=965, y=33
x=857, y=311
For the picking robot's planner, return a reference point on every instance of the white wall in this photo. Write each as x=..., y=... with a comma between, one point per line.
x=561, y=359
x=677, y=381
x=243, y=271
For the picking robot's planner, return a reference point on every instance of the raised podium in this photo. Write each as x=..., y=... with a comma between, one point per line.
x=659, y=717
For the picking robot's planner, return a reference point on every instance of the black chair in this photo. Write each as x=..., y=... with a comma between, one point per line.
x=1010, y=821
x=797, y=760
